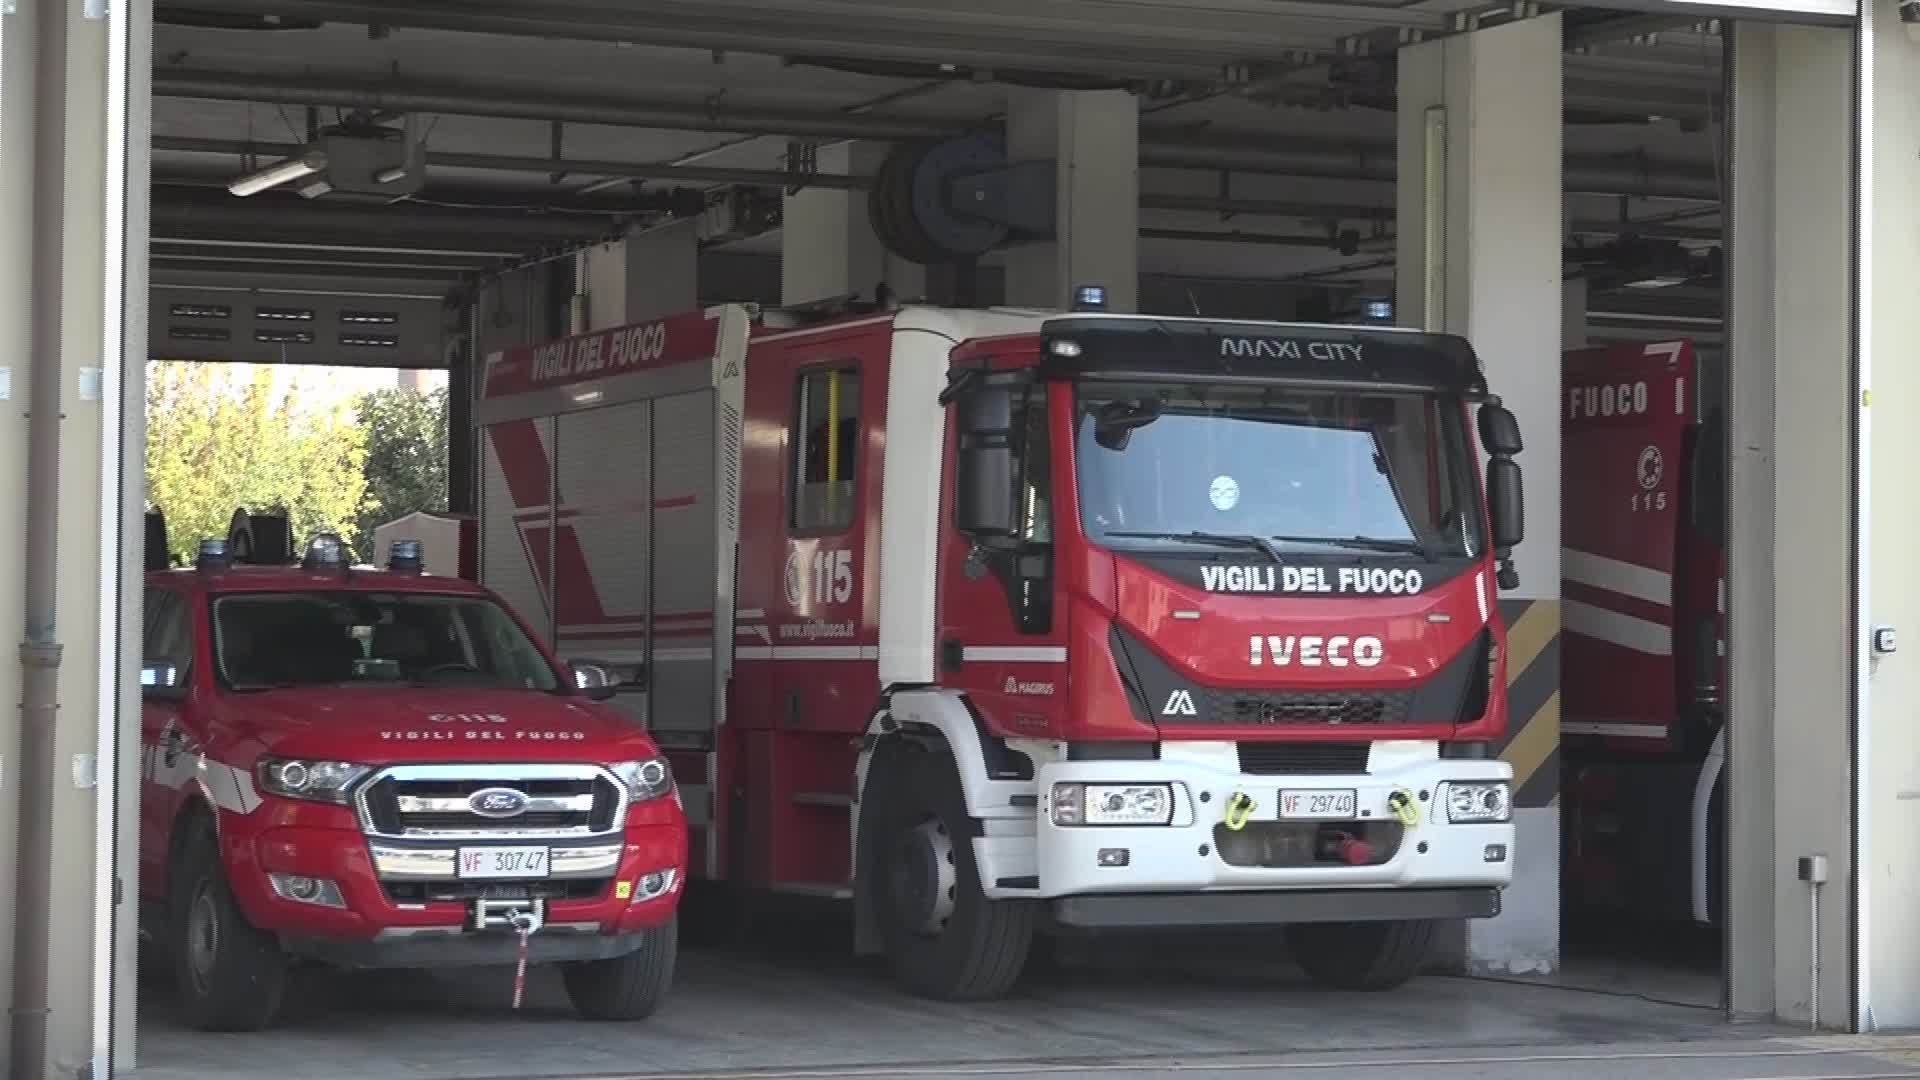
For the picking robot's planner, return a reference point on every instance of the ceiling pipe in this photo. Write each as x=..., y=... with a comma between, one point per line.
x=1367, y=160
x=837, y=181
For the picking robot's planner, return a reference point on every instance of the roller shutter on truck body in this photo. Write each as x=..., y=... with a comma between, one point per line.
x=610, y=512
x=1625, y=415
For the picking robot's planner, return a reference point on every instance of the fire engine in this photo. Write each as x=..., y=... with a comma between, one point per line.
x=1643, y=661
x=996, y=622
x=379, y=768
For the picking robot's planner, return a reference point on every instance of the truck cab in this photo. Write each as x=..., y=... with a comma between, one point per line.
x=369, y=767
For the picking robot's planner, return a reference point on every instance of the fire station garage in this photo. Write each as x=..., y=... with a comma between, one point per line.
x=952, y=626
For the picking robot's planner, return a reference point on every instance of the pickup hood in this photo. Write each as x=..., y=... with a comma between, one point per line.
x=387, y=726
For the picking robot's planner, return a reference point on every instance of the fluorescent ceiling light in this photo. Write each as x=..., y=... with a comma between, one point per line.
x=274, y=175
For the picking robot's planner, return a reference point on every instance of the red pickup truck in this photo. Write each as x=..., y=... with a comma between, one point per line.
x=377, y=768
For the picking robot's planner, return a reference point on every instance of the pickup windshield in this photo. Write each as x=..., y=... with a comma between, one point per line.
x=341, y=638
x=1275, y=468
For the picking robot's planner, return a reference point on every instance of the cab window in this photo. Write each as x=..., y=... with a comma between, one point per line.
x=826, y=445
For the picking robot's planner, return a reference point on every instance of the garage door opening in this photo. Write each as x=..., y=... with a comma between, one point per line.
x=648, y=172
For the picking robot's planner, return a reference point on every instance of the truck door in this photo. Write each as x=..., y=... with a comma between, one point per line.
x=167, y=640
x=1001, y=637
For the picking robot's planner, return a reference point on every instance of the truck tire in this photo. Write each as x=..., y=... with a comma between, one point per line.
x=629, y=987
x=230, y=975
x=1368, y=956
x=944, y=939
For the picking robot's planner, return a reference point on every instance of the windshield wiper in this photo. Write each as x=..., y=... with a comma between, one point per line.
x=1368, y=543
x=1231, y=540
x=262, y=687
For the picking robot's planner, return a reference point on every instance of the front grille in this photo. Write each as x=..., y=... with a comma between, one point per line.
x=1272, y=708
x=1306, y=759
x=426, y=801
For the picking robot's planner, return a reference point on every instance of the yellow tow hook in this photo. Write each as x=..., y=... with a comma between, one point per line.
x=1403, y=807
x=1239, y=809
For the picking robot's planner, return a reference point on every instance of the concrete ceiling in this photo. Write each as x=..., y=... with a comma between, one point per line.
x=1270, y=120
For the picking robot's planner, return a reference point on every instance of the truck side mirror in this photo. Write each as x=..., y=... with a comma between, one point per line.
x=983, y=501
x=1504, y=504
x=1499, y=431
x=593, y=679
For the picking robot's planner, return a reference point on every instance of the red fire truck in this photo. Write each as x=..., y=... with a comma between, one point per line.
x=994, y=622
x=1643, y=467
x=380, y=768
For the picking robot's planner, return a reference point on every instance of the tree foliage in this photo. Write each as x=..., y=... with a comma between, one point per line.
x=222, y=436
x=406, y=455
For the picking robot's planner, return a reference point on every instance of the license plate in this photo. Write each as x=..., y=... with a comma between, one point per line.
x=1328, y=804
x=503, y=862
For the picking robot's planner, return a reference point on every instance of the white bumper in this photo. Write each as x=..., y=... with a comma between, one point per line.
x=1184, y=857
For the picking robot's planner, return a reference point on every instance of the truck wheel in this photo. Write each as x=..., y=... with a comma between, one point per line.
x=944, y=939
x=230, y=975
x=626, y=987
x=1362, y=956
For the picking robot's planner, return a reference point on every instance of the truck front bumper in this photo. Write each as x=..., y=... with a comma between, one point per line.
x=1407, y=845
x=403, y=904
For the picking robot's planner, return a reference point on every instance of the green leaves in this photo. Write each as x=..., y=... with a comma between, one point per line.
x=223, y=436
x=406, y=465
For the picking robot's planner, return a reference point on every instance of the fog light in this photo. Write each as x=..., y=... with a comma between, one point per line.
x=306, y=890
x=1495, y=853
x=653, y=885
x=1113, y=856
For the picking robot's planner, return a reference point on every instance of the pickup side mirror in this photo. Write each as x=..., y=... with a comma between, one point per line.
x=983, y=502
x=1499, y=431
x=601, y=680
x=161, y=680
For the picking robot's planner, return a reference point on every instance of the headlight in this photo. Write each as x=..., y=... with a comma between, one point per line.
x=301, y=778
x=1472, y=802
x=1112, y=804
x=648, y=779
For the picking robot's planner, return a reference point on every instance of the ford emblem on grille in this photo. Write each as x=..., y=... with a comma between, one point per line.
x=498, y=802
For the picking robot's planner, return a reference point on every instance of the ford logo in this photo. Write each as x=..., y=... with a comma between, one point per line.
x=498, y=802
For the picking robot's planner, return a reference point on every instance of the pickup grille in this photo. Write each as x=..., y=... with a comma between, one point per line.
x=430, y=801
x=1278, y=708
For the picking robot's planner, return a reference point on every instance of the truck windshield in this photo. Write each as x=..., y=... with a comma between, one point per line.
x=1275, y=468
x=340, y=638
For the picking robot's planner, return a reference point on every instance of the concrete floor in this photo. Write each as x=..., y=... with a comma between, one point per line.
x=1190, y=1008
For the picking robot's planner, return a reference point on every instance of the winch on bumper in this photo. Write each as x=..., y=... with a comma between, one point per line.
x=1193, y=839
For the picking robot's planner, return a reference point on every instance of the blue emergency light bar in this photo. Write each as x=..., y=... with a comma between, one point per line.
x=1090, y=298
x=407, y=557
x=212, y=555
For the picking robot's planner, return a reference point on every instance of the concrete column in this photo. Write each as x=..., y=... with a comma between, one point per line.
x=827, y=243
x=1791, y=413
x=1887, y=746
x=94, y=618
x=1479, y=254
x=1093, y=136
x=651, y=273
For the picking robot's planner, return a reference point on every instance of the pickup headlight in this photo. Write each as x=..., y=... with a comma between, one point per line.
x=645, y=780
x=1477, y=802
x=1112, y=804
x=304, y=778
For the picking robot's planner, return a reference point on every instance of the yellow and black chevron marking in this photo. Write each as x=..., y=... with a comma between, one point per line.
x=1532, y=744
